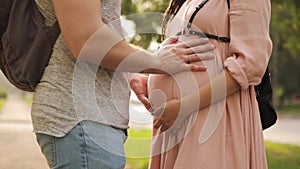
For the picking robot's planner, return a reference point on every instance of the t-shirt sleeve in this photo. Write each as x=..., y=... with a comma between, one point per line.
x=250, y=46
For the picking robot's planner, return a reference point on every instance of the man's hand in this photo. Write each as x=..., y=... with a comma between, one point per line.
x=139, y=85
x=179, y=54
x=176, y=56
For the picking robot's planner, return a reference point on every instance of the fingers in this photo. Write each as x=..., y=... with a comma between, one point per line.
x=157, y=112
x=182, y=55
x=158, y=123
x=146, y=102
x=163, y=128
x=198, y=57
x=199, y=49
x=139, y=86
x=189, y=53
x=196, y=68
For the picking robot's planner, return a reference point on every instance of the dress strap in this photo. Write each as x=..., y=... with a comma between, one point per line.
x=195, y=12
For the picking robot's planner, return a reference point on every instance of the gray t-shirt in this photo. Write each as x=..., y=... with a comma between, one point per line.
x=70, y=92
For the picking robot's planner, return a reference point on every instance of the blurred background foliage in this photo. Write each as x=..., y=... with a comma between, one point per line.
x=142, y=21
x=285, y=60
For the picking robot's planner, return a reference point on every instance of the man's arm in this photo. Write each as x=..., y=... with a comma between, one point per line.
x=90, y=39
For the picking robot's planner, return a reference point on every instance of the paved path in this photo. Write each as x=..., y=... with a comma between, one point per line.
x=19, y=149
x=286, y=130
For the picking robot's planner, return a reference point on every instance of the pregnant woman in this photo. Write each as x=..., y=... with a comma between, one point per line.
x=210, y=120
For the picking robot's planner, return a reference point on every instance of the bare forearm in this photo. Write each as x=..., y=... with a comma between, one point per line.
x=215, y=90
x=174, y=112
x=109, y=50
x=91, y=40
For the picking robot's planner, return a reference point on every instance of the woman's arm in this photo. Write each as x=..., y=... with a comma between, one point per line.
x=88, y=37
x=250, y=50
x=222, y=86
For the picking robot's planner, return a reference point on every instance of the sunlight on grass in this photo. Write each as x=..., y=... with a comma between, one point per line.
x=137, y=148
x=283, y=156
x=2, y=101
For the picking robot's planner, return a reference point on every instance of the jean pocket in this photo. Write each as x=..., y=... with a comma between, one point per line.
x=47, y=144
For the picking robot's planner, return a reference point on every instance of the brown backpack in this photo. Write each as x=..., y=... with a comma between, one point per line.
x=26, y=42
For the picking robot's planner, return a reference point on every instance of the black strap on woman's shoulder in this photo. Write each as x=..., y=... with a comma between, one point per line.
x=202, y=34
x=195, y=12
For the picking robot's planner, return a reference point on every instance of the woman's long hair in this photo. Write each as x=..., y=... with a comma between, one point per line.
x=171, y=11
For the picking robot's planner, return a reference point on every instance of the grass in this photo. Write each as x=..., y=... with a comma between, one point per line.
x=2, y=101
x=289, y=109
x=282, y=156
x=137, y=148
x=279, y=156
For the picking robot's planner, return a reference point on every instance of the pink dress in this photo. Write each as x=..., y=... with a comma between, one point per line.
x=228, y=134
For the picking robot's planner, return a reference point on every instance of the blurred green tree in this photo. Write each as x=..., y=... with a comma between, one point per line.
x=147, y=28
x=286, y=46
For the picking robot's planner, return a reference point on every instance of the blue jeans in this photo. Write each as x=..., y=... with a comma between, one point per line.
x=89, y=145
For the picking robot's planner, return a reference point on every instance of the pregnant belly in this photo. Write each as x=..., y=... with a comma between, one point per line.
x=162, y=88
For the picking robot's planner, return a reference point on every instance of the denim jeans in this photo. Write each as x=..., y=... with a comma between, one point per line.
x=89, y=145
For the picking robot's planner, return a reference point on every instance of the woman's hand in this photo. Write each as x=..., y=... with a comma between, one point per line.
x=169, y=115
x=169, y=110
